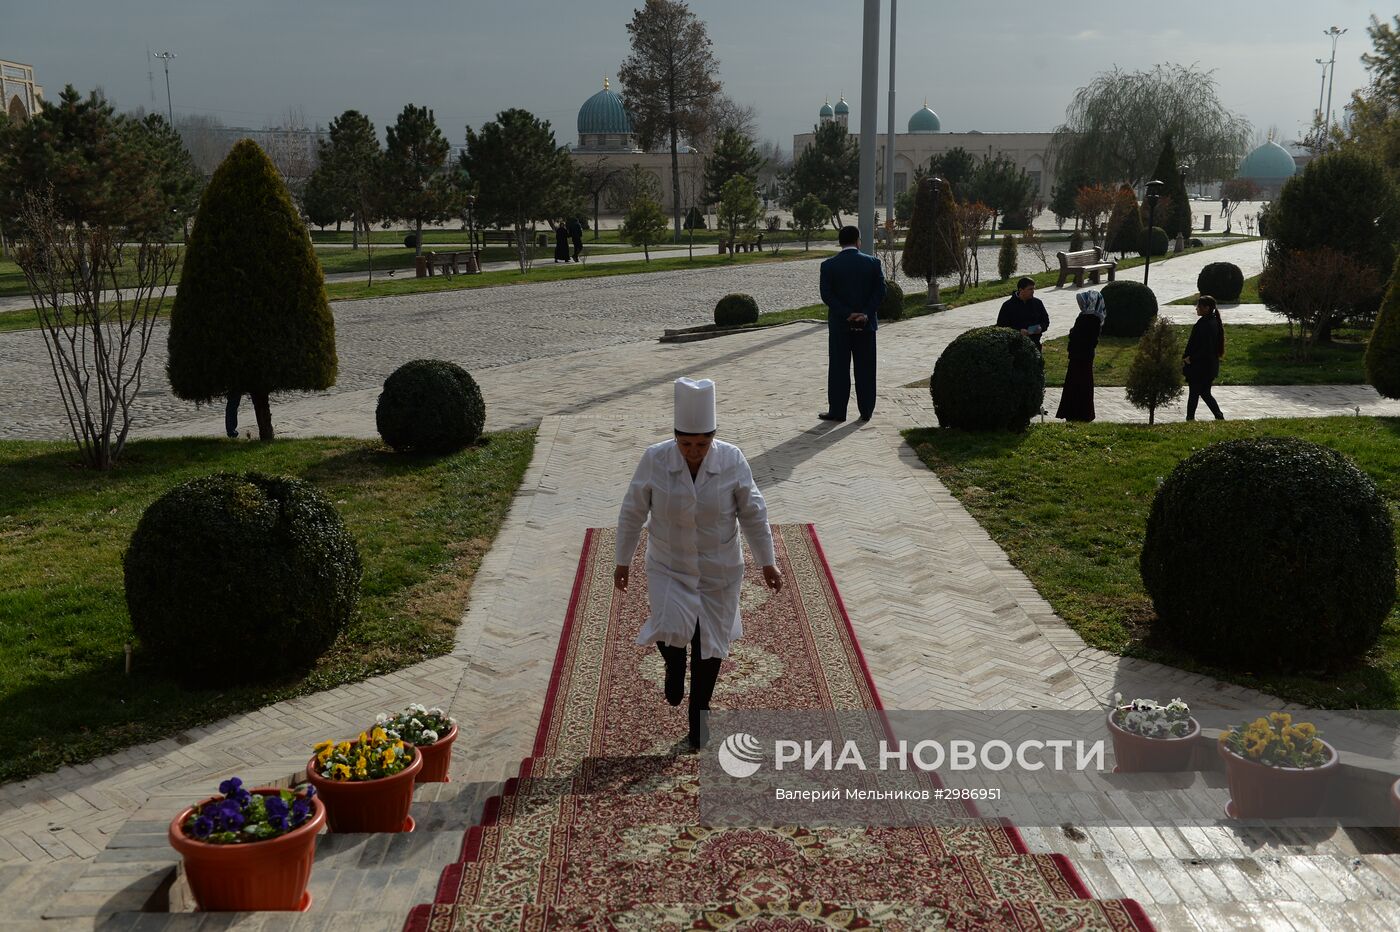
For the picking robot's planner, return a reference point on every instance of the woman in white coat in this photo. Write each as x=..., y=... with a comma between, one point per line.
x=698, y=492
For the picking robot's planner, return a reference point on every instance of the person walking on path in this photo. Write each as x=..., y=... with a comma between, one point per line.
x=1077, y=397
x=1202, y=356
x=1025, y=312
x=852, y=287
x=231, y=414
x=698, y=492
x=561, y=242
x=576, y=235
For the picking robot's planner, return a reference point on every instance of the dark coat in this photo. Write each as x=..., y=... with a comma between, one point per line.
x=1084, y=337
x=852, y=283
x=575, y=231
x=1022, y=315
x=1203, y=348
x=561, y=242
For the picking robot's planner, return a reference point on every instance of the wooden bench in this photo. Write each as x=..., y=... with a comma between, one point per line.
x=498, y=237
x=1092, y=260
x=449, y=263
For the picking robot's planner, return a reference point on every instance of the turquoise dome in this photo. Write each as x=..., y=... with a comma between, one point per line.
x=842, y=107
x=826, y=112
x=604, y=113
x=924, y=121
x=1269, y=162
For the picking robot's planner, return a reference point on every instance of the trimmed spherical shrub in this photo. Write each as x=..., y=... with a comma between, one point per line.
x=989, y=378
x=1269, y=553
x=1195, y=243
x=1223, y=281
x=1156, y=238
x=430, y=406
x=1076, y=241
x=892, y=308
x=736, y=310
x=1131, y=307
x=240, y=578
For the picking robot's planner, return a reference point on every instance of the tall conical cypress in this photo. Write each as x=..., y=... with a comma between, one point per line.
x=922, y=258
x=1177, y=217
x=251, y=313
x=1125, y=223
x=1383, y=352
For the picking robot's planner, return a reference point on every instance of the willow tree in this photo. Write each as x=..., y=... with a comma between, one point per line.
x=1114, y=126
x=251, y=313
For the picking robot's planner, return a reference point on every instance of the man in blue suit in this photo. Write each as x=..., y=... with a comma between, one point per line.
x=853, y=285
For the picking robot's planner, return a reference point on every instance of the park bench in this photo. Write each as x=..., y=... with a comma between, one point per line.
x=449, y=263
x=498, y=237
x=1091, y=260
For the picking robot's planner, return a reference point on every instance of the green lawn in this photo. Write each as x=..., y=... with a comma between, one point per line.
x=1255, y=354
x=1069, y=504
x=1248, y=295
x=422, y=526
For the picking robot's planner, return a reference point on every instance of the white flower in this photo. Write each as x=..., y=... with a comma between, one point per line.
x=414, y=723
x=381, y=718
x=429, y=736
x=437, y=713
x=418, y=709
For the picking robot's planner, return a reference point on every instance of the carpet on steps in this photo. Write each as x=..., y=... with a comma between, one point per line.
x=600, y=829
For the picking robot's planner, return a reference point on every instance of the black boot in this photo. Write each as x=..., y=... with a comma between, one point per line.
x=675, y=672
x=699, y=728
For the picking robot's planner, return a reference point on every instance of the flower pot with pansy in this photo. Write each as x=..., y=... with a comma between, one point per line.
x=431, y=731
x=1276, y=768
x=1152, y=738
x=366, y=784
x=249, y=850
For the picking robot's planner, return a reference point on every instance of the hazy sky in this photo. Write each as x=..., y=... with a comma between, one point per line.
x=993, y=66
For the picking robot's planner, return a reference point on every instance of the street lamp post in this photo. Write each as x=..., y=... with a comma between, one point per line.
x=471, y=233
x=1154, y=194
x=934, y=302
x=1335, y=34
x=1186, y=170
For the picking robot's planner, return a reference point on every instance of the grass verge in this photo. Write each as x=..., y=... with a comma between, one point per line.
x=1255, y=354
x=422, y=526
x=1069, y=505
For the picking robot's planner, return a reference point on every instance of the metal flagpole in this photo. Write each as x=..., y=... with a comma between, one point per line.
x=889, y=137
x=869, y=117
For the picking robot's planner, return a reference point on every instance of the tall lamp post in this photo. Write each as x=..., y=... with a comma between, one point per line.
x=170, y=115
x=1186, y=170
x=934, y=302
x=470, y=201
x=1154, y=194
x=1335, y=34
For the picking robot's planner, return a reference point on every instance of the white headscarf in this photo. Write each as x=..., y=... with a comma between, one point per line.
x=1091, y=302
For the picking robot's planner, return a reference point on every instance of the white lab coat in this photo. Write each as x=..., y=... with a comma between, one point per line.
x=695, y=564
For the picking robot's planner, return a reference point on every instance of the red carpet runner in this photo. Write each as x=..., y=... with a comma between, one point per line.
x=600, y=829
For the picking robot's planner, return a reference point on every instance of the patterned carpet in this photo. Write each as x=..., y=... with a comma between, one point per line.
x=601, y=829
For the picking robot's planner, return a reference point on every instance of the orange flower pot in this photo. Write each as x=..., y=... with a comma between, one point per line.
x=1258, y=791
x=253, y=876
x=1136, y=753
x=368, y=805
x=437, y=758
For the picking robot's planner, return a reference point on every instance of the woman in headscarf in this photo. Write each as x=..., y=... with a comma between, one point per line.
x=698, y=493
x=561, y=242
x=1077, y=398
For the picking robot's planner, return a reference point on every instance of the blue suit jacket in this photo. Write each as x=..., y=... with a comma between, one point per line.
x=852, y=283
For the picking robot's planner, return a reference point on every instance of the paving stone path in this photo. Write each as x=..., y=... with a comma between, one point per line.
x=944, y=619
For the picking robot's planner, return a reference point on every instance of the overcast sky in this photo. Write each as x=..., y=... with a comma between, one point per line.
x=1008, y=65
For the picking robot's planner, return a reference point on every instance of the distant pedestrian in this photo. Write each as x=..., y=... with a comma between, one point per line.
x=1201, y=360
x=561, y=242
x=576, y=234
x=231, y=414
x=1025, y=312
x=1077, y=398
x=1224, y=206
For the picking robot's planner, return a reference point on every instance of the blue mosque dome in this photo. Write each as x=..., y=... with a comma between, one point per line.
x=1270, y=163
x=924, y=121
x=842, y=106
x=604, y=113
x=826, y=113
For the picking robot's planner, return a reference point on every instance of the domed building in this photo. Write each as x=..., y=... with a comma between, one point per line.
x=843, y=111
x=826, y=114
x=1269, y=166
x=924, y=120
x=604, y=124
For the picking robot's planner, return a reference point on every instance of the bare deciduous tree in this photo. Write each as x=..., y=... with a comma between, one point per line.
x=972, y=219
x=1311, y=287
x=97, y=291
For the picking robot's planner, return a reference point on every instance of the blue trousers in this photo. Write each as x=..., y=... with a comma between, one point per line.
x=850, y=348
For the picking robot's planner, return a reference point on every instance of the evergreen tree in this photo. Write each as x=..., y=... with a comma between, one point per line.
x=320, y=201
x=1125, y=223
x=808, y=216
x=1006, y=258
x=417, y=186
x=734, y=154
x=956, y=166
x=1002, y=185
x=828, y=168
x=644, y=225
x=1064, y=195
x=251, y=313
x=1177, y=217
x=1383, y=352
x=352, y=165
x=1154, y=378
x=739, y=208
x=521, y=173
x=933, y=247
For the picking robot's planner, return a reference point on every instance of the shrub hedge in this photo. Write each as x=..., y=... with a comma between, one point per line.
x=989, y=378
x=1269, y=552
x=1131, y=307
x=736, y=310
x=1223, y=281
x=1156, y=238
x=430, y=406
x=892, y=308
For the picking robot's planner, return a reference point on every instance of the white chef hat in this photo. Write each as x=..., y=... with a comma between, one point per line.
x=695, y=406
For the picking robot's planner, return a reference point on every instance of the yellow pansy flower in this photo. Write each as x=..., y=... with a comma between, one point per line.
x=378, y=735
x=340, y=772
x=343, y=747
x=1280, y=719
